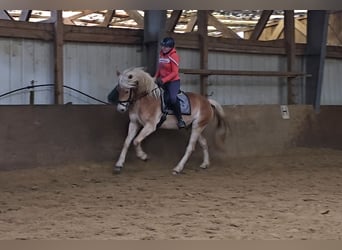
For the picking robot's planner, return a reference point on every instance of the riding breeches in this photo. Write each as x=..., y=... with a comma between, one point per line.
x=171, y=89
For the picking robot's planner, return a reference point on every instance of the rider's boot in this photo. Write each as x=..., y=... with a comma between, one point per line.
x=178, y=114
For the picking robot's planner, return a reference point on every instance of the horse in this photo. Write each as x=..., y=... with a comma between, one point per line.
x=138, y=93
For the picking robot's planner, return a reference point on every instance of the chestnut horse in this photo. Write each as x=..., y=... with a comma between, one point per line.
x=137, y=92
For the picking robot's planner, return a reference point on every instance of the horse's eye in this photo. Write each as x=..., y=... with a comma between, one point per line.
x=126, y=92
x=130, y=76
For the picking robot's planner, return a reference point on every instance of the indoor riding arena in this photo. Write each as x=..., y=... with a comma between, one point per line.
x=277, y=176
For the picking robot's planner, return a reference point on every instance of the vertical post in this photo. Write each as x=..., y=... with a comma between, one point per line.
x=317, y=29
x=154, y=27
x=202, y=22
x=290, y=47
x=58, y=49
x=32, y=93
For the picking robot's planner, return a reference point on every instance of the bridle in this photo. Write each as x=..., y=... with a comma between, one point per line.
x=131, y=98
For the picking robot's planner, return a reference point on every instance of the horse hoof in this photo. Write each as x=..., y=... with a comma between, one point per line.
x=116, y=170
x=204, y=166
x=174, y=172
x=144, y=158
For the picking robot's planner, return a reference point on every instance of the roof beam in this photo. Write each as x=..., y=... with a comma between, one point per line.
x=259, y=27
x=226, y=32
x=5, y=15
x=108, y=18
x=191, y=24
x=135, y=15
x=25, y=15
x=300, y=27
x=173, y=20
x=277, y=31
x=71, y=19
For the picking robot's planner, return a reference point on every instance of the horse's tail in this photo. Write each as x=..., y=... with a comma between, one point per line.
x=221, y=126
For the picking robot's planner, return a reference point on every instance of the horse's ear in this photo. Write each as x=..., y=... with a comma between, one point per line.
x=118, y=73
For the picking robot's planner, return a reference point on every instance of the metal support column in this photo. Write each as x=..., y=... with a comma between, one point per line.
x=317, y=27
x=202, y=22
x=154, y=30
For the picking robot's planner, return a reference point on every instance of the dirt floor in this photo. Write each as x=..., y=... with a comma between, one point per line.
x=293, y=196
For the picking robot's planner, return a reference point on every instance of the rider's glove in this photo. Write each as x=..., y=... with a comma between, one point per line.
x=159, y=82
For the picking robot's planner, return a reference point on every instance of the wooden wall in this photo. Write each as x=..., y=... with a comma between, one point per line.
x=45, y=31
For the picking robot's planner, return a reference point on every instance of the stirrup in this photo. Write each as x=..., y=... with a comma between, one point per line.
x=181, y=124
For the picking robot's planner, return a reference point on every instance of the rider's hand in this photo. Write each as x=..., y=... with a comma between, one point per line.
x=159, y=82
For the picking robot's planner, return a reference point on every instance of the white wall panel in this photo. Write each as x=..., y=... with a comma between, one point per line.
x=91, y=68
x=22, y=61
x=189, y=59
x=332, y=83
x=237, y=90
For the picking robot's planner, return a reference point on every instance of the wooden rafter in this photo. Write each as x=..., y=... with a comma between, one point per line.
x=277, y=31
x=173, y=20
x=25, y=15
x=108, y=18
x=71, y=19
x=335, y=28
x=135, y=15
x=191, y=24
x=226, y=32
x=5, y=15
x=300, y=27
x=265, y=15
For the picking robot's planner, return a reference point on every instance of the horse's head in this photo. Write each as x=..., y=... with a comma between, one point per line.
x=133, y=83
x=128, y=79
x=125, y=98
x=137, y=79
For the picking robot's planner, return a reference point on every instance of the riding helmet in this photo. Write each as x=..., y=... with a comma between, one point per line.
x=168, y=42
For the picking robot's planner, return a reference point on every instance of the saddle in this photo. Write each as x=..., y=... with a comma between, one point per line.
x=184, y=104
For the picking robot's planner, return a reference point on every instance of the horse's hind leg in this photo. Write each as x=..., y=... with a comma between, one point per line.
x=195, y=133
x=203, y=142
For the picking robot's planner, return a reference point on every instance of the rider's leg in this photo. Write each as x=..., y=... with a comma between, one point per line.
x=173, y=89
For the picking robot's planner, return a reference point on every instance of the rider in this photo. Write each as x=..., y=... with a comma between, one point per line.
x=167, y=76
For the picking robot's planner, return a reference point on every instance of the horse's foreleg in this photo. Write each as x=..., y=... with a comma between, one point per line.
x=132, y=131
x=195, y=133
x=147, y=130
x=204, y=145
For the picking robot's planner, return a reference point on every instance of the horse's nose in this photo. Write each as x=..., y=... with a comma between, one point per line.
x=121, y=109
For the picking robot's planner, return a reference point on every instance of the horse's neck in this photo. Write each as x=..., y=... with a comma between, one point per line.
x=146, y=101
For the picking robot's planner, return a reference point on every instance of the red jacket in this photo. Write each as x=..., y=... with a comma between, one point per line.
x=168, y=66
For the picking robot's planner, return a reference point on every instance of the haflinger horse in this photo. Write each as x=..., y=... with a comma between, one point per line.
x=137, y=92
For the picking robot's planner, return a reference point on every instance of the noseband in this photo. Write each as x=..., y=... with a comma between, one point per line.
x=132, y=98
x=128, y=101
